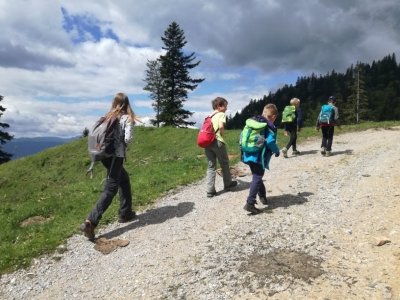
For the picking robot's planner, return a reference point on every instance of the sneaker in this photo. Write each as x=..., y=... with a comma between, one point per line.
x=127, y=218
x=295, y=152
x=264, y=200
x=328, y=153
x=210, y=195
x=87, y=229
x=251, y=208
x=284, y=152
x=231, y=185
x=323, y=151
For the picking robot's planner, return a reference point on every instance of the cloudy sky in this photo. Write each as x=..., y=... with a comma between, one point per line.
x=61, y=62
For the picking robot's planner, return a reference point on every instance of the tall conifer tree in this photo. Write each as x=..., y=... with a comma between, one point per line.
x=155, y=87
x=4, y=137
x=175, y=66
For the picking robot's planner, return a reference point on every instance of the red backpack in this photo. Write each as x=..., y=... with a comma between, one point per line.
x=207, y=133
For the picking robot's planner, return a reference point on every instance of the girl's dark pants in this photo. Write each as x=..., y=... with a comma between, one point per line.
x=257, y=185
x=117, y=180
x=327, y=137
x=292, y=129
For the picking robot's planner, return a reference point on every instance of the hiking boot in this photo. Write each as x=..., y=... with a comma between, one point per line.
x=264, y=200
x=328, y=153
x=231, y=185
x=323, y=151
x=210, y=195
x=87, y=229
x=127, y=218
x=295, y=152
x=284, y=152
x=251, y=208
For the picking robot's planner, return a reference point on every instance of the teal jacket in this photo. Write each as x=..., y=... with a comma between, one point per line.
x=271, y=147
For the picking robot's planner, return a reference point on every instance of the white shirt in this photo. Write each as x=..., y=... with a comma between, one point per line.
x=124, y=137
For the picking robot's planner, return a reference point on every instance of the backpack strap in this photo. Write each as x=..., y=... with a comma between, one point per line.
x=90, y=169
x=262, y=157
x=211, y=120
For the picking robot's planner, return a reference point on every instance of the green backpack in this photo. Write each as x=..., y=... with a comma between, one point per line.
x=252, y=137
x=289, y=114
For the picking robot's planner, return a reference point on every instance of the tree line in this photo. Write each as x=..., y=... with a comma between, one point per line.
x=365, y=92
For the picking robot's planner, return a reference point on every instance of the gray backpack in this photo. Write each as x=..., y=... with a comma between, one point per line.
x=101, y=140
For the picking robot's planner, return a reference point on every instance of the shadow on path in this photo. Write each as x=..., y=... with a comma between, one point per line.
x=287, y=200
x=346, y=152
x=242, y=185
x=308, y=152
x=153, y=216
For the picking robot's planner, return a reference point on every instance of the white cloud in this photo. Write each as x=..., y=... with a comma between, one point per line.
x=54, y=83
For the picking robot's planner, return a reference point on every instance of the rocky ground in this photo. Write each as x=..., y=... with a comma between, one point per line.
x=331, y=231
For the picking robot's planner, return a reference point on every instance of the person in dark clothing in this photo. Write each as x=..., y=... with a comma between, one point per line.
x=292, y=128
x=117, y=177
x=328, y=127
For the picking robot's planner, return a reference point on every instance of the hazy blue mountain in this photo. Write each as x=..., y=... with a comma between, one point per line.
x=20, y=147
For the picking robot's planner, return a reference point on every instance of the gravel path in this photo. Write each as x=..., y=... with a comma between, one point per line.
x=317, y=239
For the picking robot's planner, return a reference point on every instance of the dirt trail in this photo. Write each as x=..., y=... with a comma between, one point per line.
x=331, y=231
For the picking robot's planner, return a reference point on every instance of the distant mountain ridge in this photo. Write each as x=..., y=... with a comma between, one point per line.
x=20, y=147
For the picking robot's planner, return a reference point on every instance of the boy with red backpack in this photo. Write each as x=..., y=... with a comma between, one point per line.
x=327, y=120
x=217, y=148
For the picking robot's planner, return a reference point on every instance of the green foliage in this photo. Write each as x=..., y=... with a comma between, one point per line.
x=85, y=132
x=53, y=185
x=4, y=136
x=376, y=87
x=174, y=70
x=155, y=85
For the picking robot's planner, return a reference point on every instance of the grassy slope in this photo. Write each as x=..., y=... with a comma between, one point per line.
x=53, y=184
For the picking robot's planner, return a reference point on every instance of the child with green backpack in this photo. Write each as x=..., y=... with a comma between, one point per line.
x=258, y=143
x=292, y=121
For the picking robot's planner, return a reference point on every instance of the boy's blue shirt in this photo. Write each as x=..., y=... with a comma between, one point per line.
x=270, y=145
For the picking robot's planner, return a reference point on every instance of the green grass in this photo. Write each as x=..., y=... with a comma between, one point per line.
x=53, y=184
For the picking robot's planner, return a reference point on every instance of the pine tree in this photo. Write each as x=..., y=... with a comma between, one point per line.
x=155, y=87
x=175, y=66
x=85, y=132
x=4, y=137
x=356, y=107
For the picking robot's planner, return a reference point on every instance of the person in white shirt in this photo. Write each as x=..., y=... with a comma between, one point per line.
x=117, y=177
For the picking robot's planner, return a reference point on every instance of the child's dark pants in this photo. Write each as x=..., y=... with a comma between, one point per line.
x=257, y=185
x=292, y=129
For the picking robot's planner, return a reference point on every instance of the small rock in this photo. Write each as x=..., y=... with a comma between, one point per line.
x=383, y=242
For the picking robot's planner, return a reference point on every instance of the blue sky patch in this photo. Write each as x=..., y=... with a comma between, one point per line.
x=85, y=27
